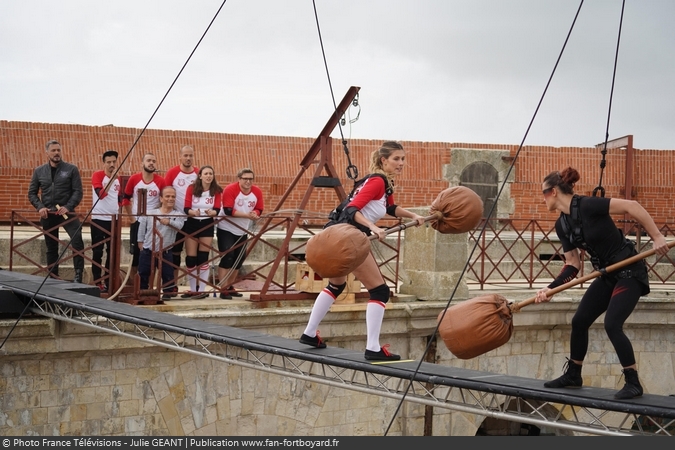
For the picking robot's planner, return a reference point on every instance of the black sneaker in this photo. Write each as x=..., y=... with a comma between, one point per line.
x=199, y=295
x=382, y=355
x=315, y=341
x=225, y=296
x=233, y=292
x=632, y=388
x=186, y=295
x=571, y=378
x=169, y=294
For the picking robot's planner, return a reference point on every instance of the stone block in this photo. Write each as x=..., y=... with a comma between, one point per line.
x=428, y=285
x=98, y=410
x=434, y=262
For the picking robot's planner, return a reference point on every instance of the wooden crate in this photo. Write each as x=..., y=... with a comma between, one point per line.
x=306, y=280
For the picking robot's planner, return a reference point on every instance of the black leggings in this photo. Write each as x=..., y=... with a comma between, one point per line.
x=618, y=299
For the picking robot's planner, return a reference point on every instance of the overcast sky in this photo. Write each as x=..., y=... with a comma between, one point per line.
x=429, y=70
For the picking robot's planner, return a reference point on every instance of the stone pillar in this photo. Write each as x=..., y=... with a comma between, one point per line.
x=433, y=262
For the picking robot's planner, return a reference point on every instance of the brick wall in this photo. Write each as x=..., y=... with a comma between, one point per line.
x=276, y=161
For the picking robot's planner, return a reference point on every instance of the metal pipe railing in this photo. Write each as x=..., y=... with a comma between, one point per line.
x=507, y=252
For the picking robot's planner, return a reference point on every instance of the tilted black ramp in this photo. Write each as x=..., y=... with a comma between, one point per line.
x=430, y=384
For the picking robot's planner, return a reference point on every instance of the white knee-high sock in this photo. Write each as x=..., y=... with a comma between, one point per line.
x=203, y=277
x=192, y=276
x=321, y=307
x=374, y=316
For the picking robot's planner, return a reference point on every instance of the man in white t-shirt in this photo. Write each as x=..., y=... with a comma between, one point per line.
x=105, y=196
x=151, y=184
x=242, y=205
x=181, y=177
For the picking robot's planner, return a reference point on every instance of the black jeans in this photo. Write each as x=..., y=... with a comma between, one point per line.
x=133, y=243
x=145, y=267
x=73, y=228
x=98, y=235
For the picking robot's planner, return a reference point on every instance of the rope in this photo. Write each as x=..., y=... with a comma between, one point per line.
x=506, y=177
x=352, y=170
x=603, y=162
x=116, y=172
x=124, y=282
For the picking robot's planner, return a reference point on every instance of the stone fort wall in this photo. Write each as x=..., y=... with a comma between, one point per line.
x=63, y=379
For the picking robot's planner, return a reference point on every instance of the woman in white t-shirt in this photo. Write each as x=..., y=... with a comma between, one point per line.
x=202, y=204
x=372, y=200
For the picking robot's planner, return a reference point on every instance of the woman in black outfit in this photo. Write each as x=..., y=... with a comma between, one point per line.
x=586, y=223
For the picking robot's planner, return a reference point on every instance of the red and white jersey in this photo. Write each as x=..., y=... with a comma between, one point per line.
x=371, y=199
x=235, y=200
x=202, y=203
x=180, y=181
x=105, y=203
x=154, y=188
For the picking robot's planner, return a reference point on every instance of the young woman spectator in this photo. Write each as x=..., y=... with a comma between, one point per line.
x=202, y=204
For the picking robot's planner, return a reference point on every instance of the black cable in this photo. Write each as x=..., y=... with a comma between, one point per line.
x=114, y=174
x=352, y=170
x=487, y=221
x=603, y=163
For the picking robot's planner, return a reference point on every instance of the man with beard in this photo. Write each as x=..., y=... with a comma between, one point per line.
x=106, y=197
x=181, y=177
x=61, y=191
x=144, y=186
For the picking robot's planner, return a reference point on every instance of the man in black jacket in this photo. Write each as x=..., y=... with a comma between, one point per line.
x=61, y=188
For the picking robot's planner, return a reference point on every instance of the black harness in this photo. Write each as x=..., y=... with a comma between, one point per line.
x=387, y=188
x=572, y=228
x=340, y=215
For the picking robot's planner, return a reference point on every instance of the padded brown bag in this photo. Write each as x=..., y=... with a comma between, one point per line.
x=337, y=250
x=476, y=326
x=462, y=210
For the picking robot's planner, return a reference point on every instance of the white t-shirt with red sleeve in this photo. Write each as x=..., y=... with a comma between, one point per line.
x=371, y=199
x=154, y=188
x=202, y=203
x=106, y=204
x=180, y=181
x=235, y=199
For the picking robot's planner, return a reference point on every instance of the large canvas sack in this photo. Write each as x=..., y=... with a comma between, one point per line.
x=474, y=327
x=337, y=250
x=462, y=210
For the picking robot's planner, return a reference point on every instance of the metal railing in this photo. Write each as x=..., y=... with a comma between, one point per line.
x=25, y=229
x=520, y=252
x=528, y=253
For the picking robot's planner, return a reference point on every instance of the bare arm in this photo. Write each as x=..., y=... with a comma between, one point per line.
x=402, y=212
x=637, y=211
